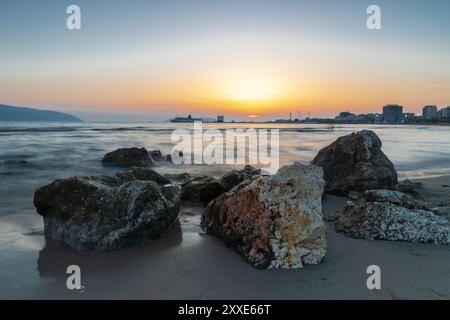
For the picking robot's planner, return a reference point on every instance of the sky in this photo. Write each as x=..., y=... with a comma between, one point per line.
x=136, y=59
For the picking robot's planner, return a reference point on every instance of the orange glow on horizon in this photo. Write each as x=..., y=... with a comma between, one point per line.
x=224, y=93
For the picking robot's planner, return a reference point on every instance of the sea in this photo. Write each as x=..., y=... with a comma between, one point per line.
x=35, y=154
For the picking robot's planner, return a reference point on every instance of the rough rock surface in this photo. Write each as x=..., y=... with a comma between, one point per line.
x=179, y=177
x=232, y=179
x=142, y=174
x=441, y=211
x=353, y=195
x=381, y=220
x=273, y=221
x=408, y=186
x=356, y=163
x=205, y=189
x=157, y=156
x=394, y=197
x=128, y=157
x=235, y=177
x=201, y=189
x=108, y=212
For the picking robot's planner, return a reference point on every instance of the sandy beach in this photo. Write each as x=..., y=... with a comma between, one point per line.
x=187, y=264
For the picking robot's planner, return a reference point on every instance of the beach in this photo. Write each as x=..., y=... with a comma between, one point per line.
x=187, y=263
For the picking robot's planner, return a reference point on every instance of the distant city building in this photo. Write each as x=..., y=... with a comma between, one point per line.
x=344, y=117
x=359, y=118
x=444, y=113
x=345, y=114
x=374, y=118
x=220, y=118
x=392, y=113
x=430, y=113
x=348, y=117
x=409, y=117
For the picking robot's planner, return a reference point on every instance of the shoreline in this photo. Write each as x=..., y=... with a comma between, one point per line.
x=188, y=264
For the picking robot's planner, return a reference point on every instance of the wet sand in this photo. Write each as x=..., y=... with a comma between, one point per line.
x=187, y=264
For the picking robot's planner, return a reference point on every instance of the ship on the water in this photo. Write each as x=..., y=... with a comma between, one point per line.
x=190, y=119
x=187, y=119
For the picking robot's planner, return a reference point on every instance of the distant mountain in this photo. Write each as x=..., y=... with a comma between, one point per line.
x=10, y=113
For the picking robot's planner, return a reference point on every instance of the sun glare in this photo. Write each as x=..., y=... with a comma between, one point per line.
x=252, y=90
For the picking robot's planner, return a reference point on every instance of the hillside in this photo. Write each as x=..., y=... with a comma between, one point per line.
x=10, y=113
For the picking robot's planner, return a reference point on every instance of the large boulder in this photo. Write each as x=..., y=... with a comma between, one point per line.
x=387, y=221
x=108, y=212
x=273, y=221
x=356, y=163
x=128, y=157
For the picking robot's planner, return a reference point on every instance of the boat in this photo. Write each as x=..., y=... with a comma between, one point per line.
x=187, y=119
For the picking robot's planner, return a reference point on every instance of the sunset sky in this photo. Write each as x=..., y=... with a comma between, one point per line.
x=238, y=58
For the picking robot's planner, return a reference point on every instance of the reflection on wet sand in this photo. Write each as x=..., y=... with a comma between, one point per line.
x=55, y=257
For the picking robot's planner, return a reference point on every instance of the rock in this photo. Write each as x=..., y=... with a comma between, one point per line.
x=142, y=174
x=201, y=189
x=378, y=220
x=273, y=221
x=108, y=212
x=394, y=197
x=251, y=171
x=205, y=189
x=128, y=157
x=232, y=179
x=356, y=163
x=156, y=155
x=353, y=195
x=408, y=186
x=441, y=211
x=183, y=177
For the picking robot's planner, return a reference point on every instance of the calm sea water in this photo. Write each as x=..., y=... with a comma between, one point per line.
x=34, y=154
